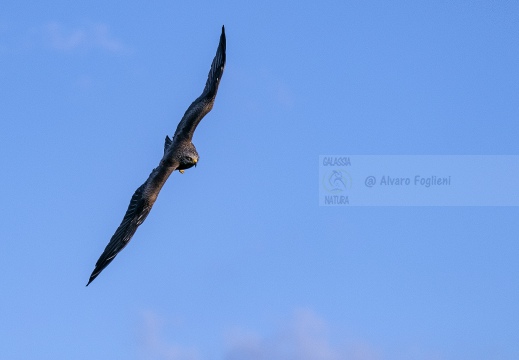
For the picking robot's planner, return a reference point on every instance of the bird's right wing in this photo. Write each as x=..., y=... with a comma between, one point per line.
x=137, y=211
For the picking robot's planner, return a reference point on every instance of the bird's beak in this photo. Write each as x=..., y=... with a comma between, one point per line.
x=196, y=161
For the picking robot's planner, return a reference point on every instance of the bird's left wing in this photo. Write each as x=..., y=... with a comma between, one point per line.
x=138, y=209
x=204, y=103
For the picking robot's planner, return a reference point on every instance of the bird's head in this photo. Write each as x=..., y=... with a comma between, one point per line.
x=189, y=157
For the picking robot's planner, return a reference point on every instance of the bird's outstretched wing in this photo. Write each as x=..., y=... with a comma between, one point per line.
x=204, y=103
x=137, y=211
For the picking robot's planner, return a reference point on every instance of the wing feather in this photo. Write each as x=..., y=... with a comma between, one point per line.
x=204, y=103
x=136, y=213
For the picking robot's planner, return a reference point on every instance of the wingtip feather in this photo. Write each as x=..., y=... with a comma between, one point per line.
x=92, y=277
x=222, y=37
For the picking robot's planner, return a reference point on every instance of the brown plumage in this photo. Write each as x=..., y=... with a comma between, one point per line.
x=179, y=154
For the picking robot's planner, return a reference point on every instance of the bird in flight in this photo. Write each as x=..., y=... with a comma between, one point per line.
x=179, y=154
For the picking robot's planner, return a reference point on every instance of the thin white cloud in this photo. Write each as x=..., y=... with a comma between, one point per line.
x=90, y=36
x=154, y=347
x=303, y=336
x=105, y=40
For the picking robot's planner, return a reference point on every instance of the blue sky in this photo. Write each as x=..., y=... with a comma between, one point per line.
x=237, y=260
